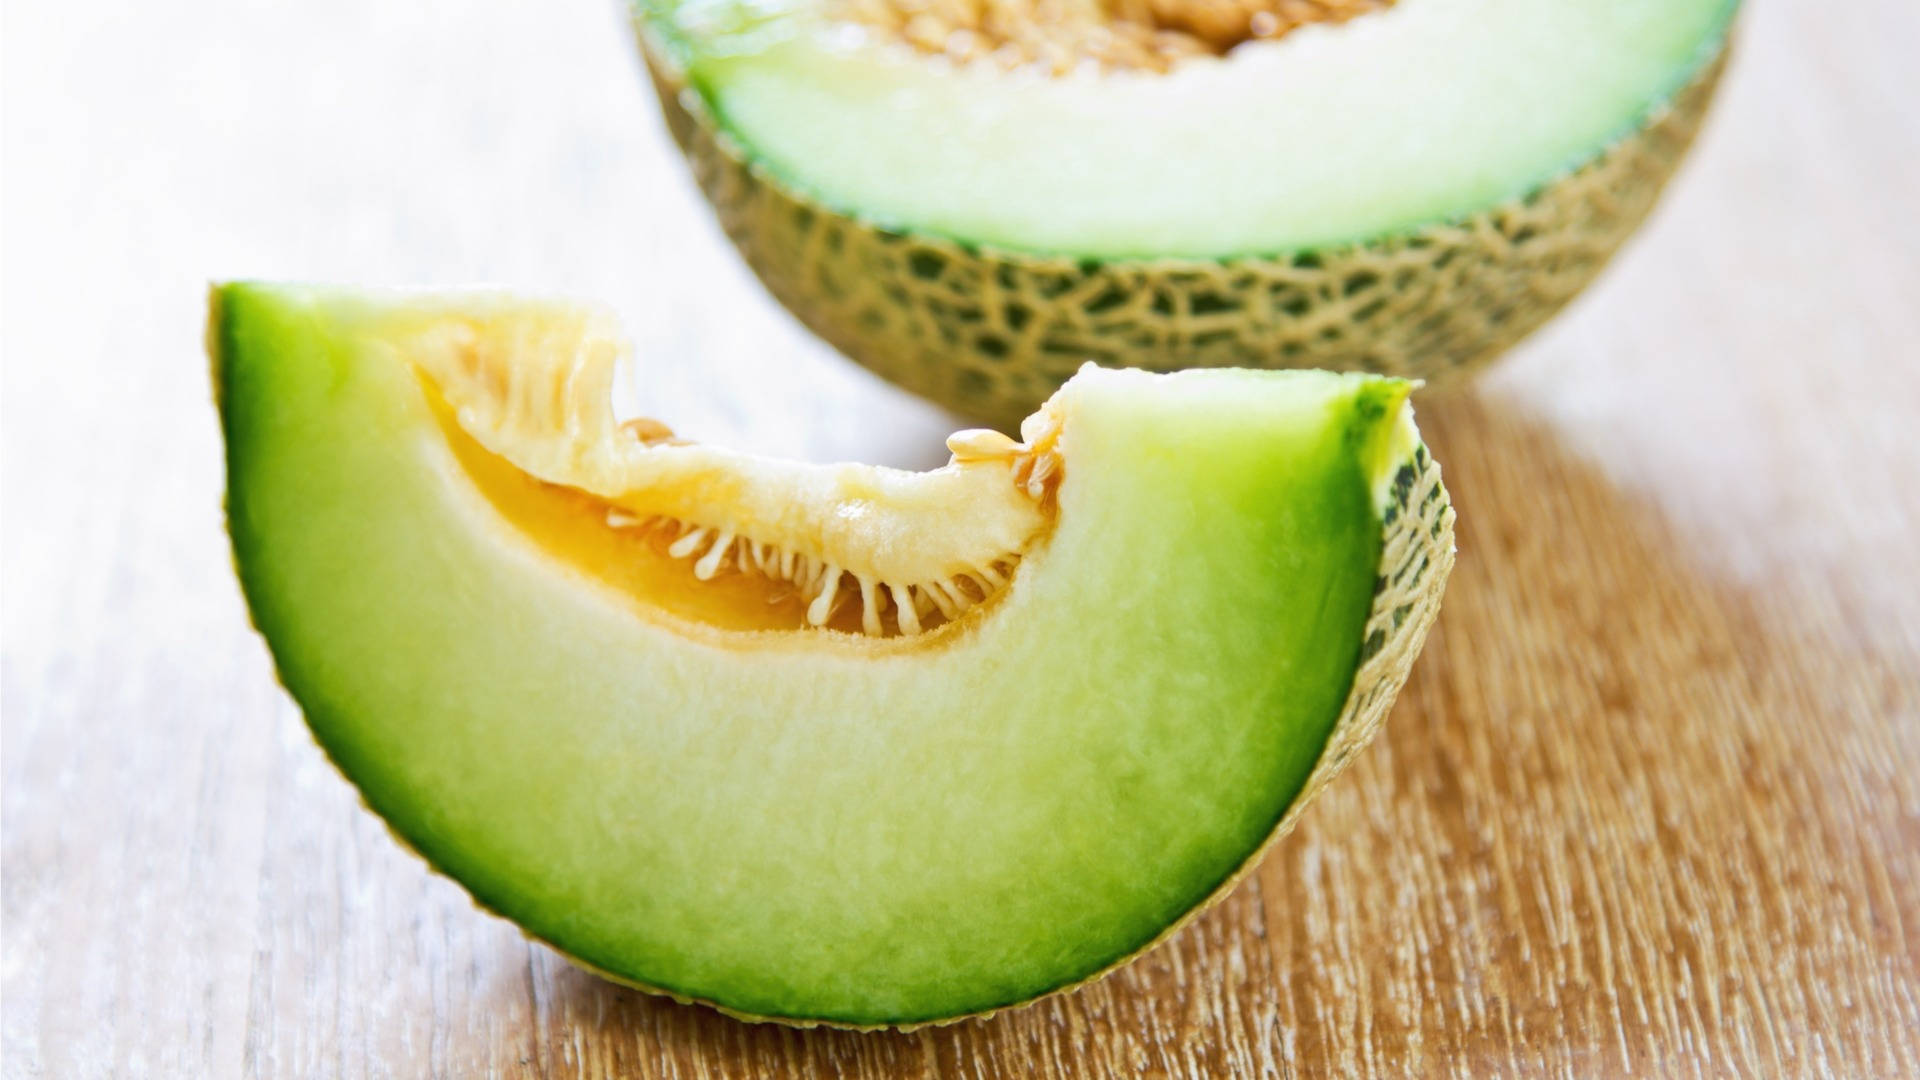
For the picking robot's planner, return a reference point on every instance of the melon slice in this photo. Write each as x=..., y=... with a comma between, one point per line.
x=824, y=744
x=974, y=198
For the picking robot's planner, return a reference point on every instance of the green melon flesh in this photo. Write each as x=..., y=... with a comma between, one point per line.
x=1428, y=111
x=799, y=825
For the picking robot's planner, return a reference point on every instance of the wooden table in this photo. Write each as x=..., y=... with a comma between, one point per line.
x=1649, y=805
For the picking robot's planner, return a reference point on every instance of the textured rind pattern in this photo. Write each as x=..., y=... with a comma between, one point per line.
x=992, y=333
x=1416, y=557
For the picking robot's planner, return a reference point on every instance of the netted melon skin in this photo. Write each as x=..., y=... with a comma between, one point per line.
x=990, y=334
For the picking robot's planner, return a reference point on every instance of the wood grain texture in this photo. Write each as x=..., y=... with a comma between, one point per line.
x=1650, y=805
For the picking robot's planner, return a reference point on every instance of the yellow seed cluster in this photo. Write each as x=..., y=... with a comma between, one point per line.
x=886, y=608
x=1060, y=35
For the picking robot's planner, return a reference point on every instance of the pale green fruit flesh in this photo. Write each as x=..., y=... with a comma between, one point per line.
x=807, y=824
x=1428, y=111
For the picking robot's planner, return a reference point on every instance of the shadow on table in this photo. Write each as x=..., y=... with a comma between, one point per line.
x=1628, y=811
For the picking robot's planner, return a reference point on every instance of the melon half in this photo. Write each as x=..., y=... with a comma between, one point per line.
x=816, y=743
x=974, y=197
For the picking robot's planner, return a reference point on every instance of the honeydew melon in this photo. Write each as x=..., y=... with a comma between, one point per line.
x=973, y=198
x=816, y=743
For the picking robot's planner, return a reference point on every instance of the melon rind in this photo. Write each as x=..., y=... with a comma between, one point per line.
x=991, y=333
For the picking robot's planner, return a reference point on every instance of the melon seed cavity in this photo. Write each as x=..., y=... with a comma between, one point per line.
x=1058, y=36
x=887, y=606
x=913, y=550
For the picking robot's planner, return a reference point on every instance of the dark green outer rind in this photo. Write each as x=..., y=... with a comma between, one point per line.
x=1416, y=558
x=992, y=333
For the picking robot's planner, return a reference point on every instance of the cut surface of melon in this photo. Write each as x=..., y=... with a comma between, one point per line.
x=1426, y=111
x=1230, y=574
